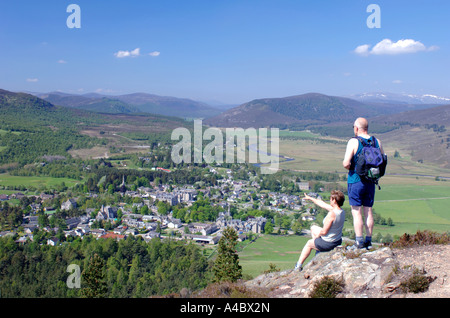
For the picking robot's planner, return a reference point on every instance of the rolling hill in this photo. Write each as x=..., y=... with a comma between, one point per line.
x=300, y=110
x=424, y=134
x=12, y=100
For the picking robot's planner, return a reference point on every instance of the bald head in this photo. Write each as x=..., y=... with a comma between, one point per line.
x=362, y=124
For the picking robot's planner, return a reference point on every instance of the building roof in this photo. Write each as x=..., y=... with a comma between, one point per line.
x=113, y=235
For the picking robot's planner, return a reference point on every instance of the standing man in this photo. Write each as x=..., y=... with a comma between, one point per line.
x=361, y=192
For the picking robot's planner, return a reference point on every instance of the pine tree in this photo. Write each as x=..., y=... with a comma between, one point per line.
x=226, y=266
x=94, y=277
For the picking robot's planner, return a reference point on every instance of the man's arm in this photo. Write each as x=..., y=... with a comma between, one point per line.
x=352, y=146
x=381, y=147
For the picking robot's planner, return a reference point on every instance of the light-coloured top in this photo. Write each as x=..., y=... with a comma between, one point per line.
x=335, y=232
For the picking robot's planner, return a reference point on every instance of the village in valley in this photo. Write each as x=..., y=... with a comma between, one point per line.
x=143, y=216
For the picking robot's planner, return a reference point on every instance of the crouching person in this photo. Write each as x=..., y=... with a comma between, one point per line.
x=329, y=236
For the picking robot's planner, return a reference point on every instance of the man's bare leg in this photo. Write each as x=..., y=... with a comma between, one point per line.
x=358, y=224
x=368, y=220
x=368, y=224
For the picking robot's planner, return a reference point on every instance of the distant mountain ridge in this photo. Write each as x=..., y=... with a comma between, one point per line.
x=438, y=115
x=296, y=112
x=133, y=103
x=101, y=104
x=319, y=109
x=381, y=97
x=169, y=106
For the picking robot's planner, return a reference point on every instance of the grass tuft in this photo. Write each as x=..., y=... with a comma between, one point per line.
x=418, y=282
x=327, y=287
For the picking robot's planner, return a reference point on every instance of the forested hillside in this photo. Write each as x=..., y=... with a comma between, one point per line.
x=31, y=128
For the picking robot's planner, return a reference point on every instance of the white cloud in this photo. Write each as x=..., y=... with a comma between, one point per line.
x=134, y=53
x=387, y=47
x=32, y=80
x=397, y=82
x=362, y=50
x=400, y=47
x=62, y=62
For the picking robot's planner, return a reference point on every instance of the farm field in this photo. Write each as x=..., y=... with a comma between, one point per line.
x=414, y=207
x=317, y=155
x=36, y=182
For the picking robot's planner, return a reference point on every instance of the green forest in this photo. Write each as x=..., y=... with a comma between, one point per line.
x=126, y=269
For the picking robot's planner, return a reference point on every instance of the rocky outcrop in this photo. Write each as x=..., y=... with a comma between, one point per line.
x=372, y=274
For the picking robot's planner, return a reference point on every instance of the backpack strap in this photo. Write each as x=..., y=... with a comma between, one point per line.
x=361, y=140
x=375, y=142
x=371, y=141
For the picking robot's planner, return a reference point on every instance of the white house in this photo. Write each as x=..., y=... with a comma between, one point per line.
x=53, y=241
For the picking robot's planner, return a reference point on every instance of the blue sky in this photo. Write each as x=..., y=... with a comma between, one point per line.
x=230, y=51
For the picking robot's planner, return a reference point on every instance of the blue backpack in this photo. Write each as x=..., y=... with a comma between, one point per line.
x=370, y=162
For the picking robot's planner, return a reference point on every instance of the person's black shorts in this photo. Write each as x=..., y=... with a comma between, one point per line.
x=324, y=246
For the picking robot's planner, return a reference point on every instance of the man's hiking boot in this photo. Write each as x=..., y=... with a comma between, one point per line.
x=355, y=247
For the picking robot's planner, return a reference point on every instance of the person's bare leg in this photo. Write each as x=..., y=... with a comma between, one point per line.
x=358, y=224
x=309, y=246
x=368, y=220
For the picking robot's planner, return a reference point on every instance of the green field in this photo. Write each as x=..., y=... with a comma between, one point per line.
x=2, y=132
x=282, y=251
x=36, y=182
x=414, y=207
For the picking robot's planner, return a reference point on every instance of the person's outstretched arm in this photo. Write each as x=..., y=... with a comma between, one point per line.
x=319, y=203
